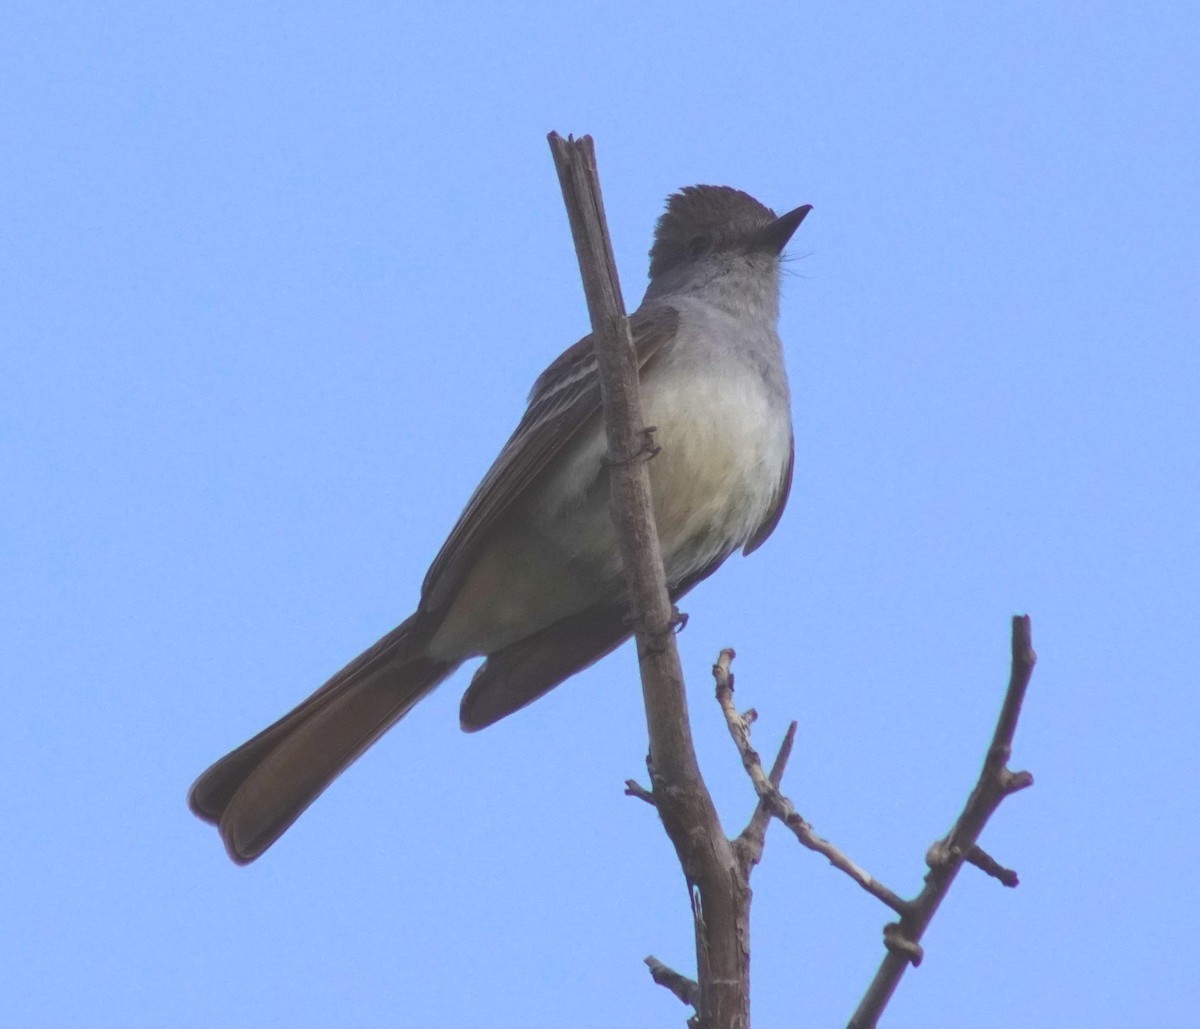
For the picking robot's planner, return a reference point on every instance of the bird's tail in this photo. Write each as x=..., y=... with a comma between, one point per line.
x=256, y=792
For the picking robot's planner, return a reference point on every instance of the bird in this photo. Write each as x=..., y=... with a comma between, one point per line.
x=530, y=576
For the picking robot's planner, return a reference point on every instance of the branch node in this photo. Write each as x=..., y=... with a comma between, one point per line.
x=896, y=942
x=942, y=854
x=721, y=671
x=1014, y=782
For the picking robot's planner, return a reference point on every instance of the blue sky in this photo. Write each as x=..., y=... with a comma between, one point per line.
x=275, y=281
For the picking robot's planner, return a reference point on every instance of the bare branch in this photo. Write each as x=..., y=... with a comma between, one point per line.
x=721, y=900
x=780, y=806
x=947, y=856
x=687, y=990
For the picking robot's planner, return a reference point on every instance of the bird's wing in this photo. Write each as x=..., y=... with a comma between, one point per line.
x=531, y=667
x=565, y=398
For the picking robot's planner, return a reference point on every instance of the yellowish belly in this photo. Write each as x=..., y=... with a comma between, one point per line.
x=724, y=451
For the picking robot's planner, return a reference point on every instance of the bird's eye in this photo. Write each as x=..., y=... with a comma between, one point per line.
x=698, y=245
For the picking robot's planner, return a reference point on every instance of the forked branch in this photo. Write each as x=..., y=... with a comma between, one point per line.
x=774, y=801
x=945, y=858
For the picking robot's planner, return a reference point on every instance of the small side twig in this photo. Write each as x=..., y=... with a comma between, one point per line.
x=779, y=805
x=635, y=789
x=984, y=861
x=750, y=842
x=947, y=856
x=684, y=988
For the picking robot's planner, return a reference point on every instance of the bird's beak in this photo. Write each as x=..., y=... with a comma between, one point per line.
x=774, y=237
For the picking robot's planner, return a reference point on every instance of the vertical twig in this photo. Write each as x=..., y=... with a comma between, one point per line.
x=947, y=856
x=720, y=897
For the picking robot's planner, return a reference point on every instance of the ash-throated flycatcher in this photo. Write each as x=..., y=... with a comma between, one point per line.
x=530, y=577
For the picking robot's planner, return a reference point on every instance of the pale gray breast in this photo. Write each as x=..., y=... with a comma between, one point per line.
x=718, y=400
x=724, y=426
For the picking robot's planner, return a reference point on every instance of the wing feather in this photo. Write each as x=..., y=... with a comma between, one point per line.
x=565, y=398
